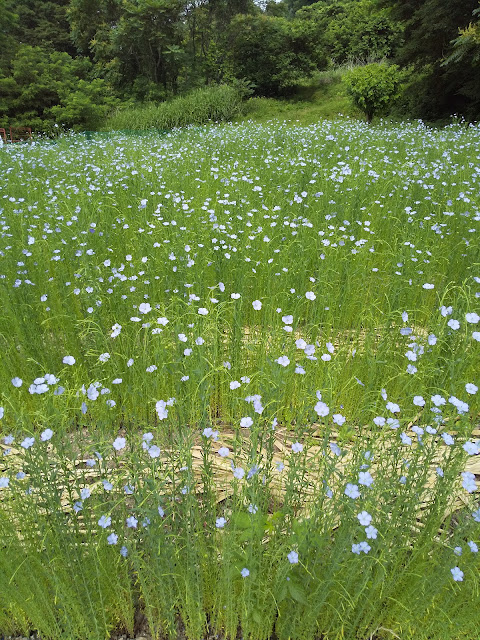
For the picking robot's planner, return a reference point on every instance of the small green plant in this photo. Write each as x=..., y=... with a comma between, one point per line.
x=374, y=87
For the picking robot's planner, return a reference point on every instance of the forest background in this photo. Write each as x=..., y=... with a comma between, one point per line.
x=71, y=63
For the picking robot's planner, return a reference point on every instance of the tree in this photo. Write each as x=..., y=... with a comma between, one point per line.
x=43, y=23
x=272, y=53
x=373, y=88
x=50, y=87
x=353, y=30
x=435, y=90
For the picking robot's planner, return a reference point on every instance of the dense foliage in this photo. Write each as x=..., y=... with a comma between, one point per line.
x=67, y=62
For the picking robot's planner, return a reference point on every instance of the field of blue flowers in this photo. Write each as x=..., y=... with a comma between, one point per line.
x=239, y=384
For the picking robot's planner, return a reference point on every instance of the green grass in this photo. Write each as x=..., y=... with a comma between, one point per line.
x=324, y=97
x=209, y=104
x=227, y=351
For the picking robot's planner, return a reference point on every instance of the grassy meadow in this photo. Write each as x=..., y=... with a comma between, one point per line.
x=239, y=383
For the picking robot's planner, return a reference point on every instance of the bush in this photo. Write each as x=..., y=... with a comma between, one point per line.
x=48, y=88
x=374, y=87
x=217, y=104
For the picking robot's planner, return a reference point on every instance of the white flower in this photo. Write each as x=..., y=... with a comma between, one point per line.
x=154, y=451
x=116, y=329
x=365, y=478
x=161, y=409
x=223, y=452
x=27, y=443
x=85, y=493
x=472, y=318
x=283, y=361
x=246, y=422
x=447, y=438
x=104, y=522
x=393, y=407
x=457, y=574
x=46, y=435
x=371, y=533
x=338, y=419
x=471, y=448
x=130, y=362
x=69, y=360
x=238, y=473
x=92, y=392
x=144, y=307
x=112, y=538
x=257, y=305
x=300, y=370
x=293, y=557
x=473, y=546
x=162, y=321
x=235, y=296
x=202, y=311
x=287, y=319
x=245, y=572
x=471, y=388
x=428, y=286
x=119, y=444
x=351, y=490
x=297, y=447
x=17, y=382
x=364, y=518
x=234, y=384
x=379, y=421
x=469, y=481
x=321, y=409
x=453, y=324
x=418, y=401
x=132, y=522
x=104, y=357
x=220, y=523
x=438, y=400
x=182, y=337
x=108, y=486
x=4, y=482
x=335, y=449
x=151, y=368
x=310, y=295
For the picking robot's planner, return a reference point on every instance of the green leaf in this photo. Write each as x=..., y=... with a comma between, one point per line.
x=297, y=592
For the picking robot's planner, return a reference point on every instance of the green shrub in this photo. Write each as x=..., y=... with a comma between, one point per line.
x=374, y=87
x=50, y=88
